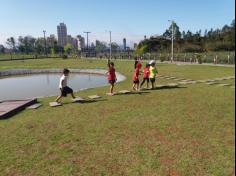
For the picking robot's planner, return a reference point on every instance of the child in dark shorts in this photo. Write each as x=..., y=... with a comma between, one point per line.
x=136, y=76
x=63, y=86
x=111, y=76
x=146, y=76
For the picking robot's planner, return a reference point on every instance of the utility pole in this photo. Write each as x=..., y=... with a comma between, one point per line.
x=87, y=39
x=110, y=46
x=172, y=40
x=45, y=44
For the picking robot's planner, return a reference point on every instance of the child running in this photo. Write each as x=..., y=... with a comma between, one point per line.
x=63, y=86
x=146, y=76
x=111, y=76
x=153, y=73
x=136, y=76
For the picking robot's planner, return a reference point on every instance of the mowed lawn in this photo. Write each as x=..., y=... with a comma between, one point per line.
x=182, y=131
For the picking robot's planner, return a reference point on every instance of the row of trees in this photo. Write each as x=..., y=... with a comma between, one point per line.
x=31, y=45
x=213, y=40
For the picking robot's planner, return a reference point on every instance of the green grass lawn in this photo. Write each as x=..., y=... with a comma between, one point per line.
x=182, y=131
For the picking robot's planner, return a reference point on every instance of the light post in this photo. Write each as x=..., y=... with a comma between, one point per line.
x=45, y=44
x=87, y=39
x=172, y=40
x=110, y=46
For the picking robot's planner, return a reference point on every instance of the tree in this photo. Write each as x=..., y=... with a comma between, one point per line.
x=114, y=46
x=26, y=44
x=2, y=49
x=11, y=42
x=100, y=46
x=68, y=48
x=177, y=33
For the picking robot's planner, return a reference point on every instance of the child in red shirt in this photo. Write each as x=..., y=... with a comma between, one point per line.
x=111, y=76
x=146, y=75
x=136, y=76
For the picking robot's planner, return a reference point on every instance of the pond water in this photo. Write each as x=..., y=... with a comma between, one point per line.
x=32, y=86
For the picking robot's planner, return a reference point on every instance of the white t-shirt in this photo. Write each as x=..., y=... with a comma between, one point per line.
x=63, y=79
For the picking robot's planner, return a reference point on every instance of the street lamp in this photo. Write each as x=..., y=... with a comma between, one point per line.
x=110, y=45
x=172, y=40
x=87, y=39
x=45, y=45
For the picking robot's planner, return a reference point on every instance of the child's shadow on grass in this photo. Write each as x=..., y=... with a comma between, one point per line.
x=85, y=101
x=168, y=87
x=132, y=93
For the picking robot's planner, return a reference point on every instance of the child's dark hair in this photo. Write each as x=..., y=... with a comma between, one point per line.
x=65, y=71
x=147, y=65
x=112, y=64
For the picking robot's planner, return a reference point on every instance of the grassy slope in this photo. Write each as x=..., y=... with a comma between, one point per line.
x=184, y=131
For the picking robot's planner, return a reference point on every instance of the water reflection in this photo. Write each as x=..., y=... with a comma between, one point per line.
x=29, y=86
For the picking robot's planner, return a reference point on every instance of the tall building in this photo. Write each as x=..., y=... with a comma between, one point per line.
x=51, y=40
x=81, y=42
x=62, y=34
x=72, y=41
x=124, y=43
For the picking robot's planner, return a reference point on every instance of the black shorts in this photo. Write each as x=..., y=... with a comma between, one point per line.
x=153, y=80
x=146, y=79
x=136, y=81
x=66, y=90
x=112, y=81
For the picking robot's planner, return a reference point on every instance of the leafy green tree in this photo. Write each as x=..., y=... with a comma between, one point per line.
x=26, y=44
x=11, y=42
x=2, y=49
x=177, y=33
x=68, y=49
x=100, y=46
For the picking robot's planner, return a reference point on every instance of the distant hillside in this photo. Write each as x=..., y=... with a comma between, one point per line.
x=213, y=40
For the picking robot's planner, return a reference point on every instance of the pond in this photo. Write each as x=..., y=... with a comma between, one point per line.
x=33, y=86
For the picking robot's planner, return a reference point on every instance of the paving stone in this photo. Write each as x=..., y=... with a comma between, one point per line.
x=55, y=104
x=172, y=85
x=78, y=99
x=222, y=85
x=124, y=91
x=183, y=83
x=94, y=97
x=160, y=86
x=211, y=83
x=35, y=106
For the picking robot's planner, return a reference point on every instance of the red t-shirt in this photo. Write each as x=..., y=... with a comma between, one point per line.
x=111, y=74
x=136, y=74
x=146, y=72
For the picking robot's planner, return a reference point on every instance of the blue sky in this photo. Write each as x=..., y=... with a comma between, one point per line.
x=125, y=18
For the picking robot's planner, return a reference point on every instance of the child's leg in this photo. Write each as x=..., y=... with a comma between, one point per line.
x=147, y=83
x=143, y=82
x=73, y=95
x=134, y=85
x=112, y=88
x=58, y=98
x=137, y=87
